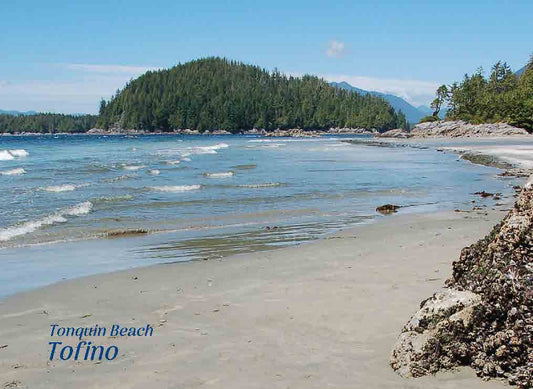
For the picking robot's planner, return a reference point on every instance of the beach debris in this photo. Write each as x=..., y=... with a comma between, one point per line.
x=3, y=346
x=484, y=319
x=12, y=384
x=388, y=209
x=484, y=194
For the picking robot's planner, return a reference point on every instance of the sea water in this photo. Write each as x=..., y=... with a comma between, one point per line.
x=77, y=205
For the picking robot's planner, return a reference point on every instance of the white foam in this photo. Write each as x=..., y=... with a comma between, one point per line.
x=154, y=172
x=175, y=188
x=186, y=159
x=219, y=175
x=33, y=225
x=204, y=149
x=13, y=172
x=79, y=209
x=20, y=153
x=264, y=185
x=176, y=162
x=133, y=167
x=127, y=197
x=5, y=155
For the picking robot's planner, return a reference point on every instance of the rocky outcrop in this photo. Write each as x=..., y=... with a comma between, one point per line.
x=352, y=131
x=397, y=133
x=484, y=318
x=294, y=133
x=460, y=128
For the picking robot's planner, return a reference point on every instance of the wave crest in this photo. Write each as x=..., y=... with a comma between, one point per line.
x=219, y=175
x=13, y=172
x=174, y=188
x=33, y=225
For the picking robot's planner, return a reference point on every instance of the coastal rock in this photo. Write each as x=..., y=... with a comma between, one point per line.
x=387, y=209
x=294, y=133
x=352, y=131
x=486, y=319
x=461, y=128
x=254, y=131
x=96, y=131
x=397, y=133
x=409, y=357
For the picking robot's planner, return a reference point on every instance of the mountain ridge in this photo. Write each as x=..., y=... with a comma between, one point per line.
x=412, y=113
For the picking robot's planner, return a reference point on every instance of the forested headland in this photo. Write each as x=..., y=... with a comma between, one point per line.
x=502, y=96
x=46, y=123
x=219, y=94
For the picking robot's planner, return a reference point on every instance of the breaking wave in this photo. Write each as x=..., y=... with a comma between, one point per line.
x=174, y=188
x=20, y=153
x=62, y=188
x=13, y=172
x=204, y=149
x=33, y=225
x=133, y=167
x=263, y=185
x=219, y=175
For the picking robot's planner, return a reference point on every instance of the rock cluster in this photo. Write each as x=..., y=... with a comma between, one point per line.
x=396, y=133
x=352, y=131
x=484, y=318
x=460, y=128
x=294, y=133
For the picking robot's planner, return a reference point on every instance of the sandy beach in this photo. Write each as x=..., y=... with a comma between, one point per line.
x=322, y=314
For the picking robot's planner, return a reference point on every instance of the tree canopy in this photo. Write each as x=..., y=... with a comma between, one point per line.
x=503, y=96
x=46, y=123
x=219, y=94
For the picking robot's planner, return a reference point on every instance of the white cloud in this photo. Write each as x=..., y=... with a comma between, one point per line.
x=4, y=83
x=416, y=92
x=335, y=49
x=109, y=69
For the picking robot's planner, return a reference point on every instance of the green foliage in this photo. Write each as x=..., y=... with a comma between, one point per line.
x=442, y=95
x=46, y=123
x=502, y=97
x=216, y=93
x=430, y=118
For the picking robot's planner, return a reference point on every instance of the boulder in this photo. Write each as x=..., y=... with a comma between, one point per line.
x=485, y=318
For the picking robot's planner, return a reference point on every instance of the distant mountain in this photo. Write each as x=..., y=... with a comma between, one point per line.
x=412, y=113
x=521, y=71
x=425, y=110
x=17, y=113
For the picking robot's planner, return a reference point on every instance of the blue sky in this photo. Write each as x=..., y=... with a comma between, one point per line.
x=63, y=56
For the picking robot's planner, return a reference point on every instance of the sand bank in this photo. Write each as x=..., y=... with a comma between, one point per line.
x=323, y=314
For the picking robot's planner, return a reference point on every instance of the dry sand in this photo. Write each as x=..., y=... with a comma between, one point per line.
x=318, y=315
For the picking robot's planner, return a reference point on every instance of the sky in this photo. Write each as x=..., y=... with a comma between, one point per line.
x=64, y=56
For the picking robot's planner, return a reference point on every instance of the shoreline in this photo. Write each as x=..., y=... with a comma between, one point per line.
x=298, y=299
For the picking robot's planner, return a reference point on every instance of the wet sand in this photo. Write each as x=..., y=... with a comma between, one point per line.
x=322, y=314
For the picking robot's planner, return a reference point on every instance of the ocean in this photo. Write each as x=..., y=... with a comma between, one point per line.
x=74, y=205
